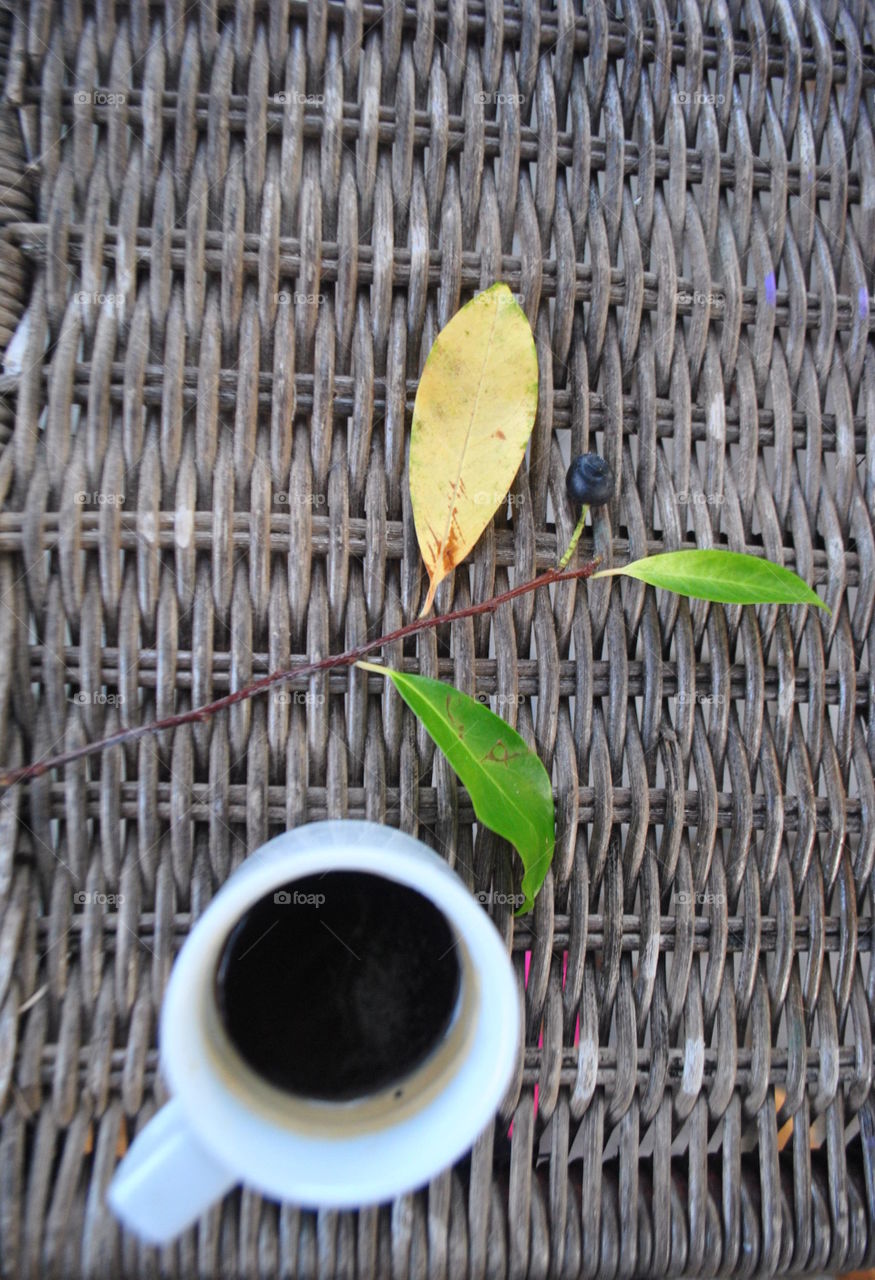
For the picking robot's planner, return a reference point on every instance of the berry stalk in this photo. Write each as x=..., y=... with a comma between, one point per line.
x=575, y=538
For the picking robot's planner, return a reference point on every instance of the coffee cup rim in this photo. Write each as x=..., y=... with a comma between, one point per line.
x=268, y=1151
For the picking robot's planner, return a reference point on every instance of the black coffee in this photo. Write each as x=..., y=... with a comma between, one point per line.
x=338, y=985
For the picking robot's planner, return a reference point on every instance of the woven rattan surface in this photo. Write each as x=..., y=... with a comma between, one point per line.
x=228, y=237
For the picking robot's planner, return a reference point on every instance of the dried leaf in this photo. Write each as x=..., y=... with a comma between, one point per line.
x=474, y=412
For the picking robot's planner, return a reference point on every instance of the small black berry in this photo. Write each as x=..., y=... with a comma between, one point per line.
x=590, y=481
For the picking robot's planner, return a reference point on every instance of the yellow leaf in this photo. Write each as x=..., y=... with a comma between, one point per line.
x=474, y=412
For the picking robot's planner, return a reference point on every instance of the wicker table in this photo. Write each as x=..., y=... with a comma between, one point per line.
x=228, y=236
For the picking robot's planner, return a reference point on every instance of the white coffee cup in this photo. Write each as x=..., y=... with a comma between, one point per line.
x=226, y=1124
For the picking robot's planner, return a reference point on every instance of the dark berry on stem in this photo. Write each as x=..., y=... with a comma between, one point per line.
x=590, y=481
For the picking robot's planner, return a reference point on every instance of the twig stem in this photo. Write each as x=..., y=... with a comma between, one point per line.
x=198, y=714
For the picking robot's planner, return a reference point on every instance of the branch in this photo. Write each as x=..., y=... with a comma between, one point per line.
x=199, y=714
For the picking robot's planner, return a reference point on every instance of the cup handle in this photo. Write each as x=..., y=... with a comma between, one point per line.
x=167, y=1179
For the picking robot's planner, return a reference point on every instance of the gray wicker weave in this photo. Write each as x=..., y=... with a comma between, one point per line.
x=228, y=236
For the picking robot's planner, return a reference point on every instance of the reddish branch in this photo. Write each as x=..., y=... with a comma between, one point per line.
x=11, y=776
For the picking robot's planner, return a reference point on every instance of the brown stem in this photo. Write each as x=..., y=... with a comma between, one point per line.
x=11, y=776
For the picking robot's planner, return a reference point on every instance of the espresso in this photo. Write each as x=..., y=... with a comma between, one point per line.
x=336, y=986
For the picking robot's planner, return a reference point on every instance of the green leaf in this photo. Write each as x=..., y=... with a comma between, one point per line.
x=727, y=577
x=508, y=785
